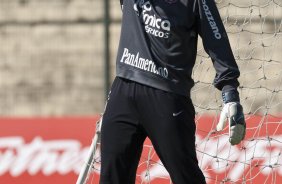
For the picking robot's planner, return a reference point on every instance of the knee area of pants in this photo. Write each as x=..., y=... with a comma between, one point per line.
x=113, y=151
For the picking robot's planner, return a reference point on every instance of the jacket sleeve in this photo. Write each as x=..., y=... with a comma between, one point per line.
x=216, y=44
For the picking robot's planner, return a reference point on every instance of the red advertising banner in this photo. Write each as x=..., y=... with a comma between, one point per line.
x=52, y=150
x=45, y=151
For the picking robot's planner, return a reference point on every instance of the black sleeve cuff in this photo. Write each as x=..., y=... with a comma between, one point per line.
x=228, y=87
x=230, y=96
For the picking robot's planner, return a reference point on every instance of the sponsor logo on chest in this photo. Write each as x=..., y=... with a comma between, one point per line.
x=154, y=24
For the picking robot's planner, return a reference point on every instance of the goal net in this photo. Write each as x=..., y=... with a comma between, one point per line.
x=254, y=29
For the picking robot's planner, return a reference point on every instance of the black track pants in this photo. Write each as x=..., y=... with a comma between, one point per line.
x=135, y=111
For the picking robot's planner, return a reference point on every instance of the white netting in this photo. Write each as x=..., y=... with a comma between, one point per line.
x=254, y=29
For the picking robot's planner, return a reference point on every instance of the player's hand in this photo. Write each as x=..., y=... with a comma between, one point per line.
x=233, y=111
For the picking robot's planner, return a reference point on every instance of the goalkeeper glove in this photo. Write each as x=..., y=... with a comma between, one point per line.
x=232, y=110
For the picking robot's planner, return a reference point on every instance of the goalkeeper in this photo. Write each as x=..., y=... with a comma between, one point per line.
x=150, y=96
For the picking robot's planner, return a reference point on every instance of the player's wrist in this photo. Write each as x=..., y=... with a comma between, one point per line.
x=230, y=96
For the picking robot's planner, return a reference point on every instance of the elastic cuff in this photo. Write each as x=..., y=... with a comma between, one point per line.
x=227, y=88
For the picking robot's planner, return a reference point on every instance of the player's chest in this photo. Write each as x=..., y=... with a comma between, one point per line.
x=163, y=12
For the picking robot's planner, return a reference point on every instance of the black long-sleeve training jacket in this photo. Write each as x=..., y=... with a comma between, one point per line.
x=158, y=44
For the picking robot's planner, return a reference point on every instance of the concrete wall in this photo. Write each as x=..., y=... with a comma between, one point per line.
x=51, y=57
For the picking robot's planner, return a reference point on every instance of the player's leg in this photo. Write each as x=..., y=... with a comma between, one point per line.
x=169, y=122
x=121, y=137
